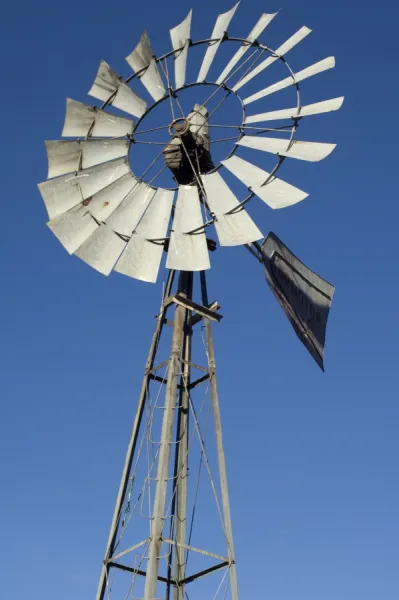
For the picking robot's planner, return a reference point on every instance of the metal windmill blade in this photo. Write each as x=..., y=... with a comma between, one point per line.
x=219, y=30
x=316, y=108
x=144, y=65
x=180, y=36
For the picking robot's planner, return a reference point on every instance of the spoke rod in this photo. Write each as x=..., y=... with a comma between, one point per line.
x=158, y=174
x=234, y=137
x=153, y=143
x=275, y=130
x=151, y=165
x=149, y=130
x=227, y=79
x=199, y=183
x=180, y=106
x=282, y=128
x=257, y=58
x=166, y=73
x=213, y=112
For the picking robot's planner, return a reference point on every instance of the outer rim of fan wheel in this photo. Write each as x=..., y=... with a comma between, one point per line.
x=209, y=41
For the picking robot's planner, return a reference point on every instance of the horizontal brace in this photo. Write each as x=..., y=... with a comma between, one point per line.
x=161, y=379
x=197, y=318
x=198, y=381
x=191, y=578
x=113, y=558
x=139, y=572
x=204, y=312
x=169, y=322
x=157, y=378
x=193, y=549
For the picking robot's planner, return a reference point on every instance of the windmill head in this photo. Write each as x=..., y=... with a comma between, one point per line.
x=116, y=219
x=188, y=155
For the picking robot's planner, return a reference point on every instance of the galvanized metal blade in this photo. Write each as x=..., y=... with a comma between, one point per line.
x=103, y=204
x=64, y=192
x=260, y=26
x=73, y=227
x=281, y=51
x=292, y=113
x=319, y=67
x=187, y=252
x=109, y=88
x=232, y=229
x=82, y=120
x=127, y=216
x=76, y=225
x=220, y=28
x=142, y=58
x=180, y=37
x=273, y=191
x=309, y=151
x=142, y=257
x=101, y=250
x=66, y=157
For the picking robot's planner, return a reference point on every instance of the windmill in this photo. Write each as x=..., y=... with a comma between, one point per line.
x=115, y=218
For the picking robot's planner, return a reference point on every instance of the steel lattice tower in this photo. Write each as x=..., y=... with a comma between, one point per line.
x=172, y=463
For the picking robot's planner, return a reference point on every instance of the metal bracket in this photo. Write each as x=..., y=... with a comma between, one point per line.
x=213, y=307
x=202, y=311
x=124, y=552
x=161, y=380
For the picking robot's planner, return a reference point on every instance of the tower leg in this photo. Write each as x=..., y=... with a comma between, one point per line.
x=133, y=442
x=179, y=509
x=164, y=449
x=219, y=444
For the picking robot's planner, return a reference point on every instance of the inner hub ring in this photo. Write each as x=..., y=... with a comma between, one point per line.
x=179, y=127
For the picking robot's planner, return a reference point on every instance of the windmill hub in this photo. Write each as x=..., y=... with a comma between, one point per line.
x=188, y=155
x=179, y=127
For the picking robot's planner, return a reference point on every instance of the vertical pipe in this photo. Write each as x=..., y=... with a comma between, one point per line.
x=181, y=459
x=157, y=523
x=219, y=444
x=132, y=443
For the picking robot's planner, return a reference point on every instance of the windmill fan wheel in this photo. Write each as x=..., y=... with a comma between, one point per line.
x=115, y=219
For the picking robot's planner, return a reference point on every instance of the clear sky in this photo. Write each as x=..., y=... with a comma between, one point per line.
x=312, y=457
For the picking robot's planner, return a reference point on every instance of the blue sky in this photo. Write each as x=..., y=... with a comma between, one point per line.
x=314, y=478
